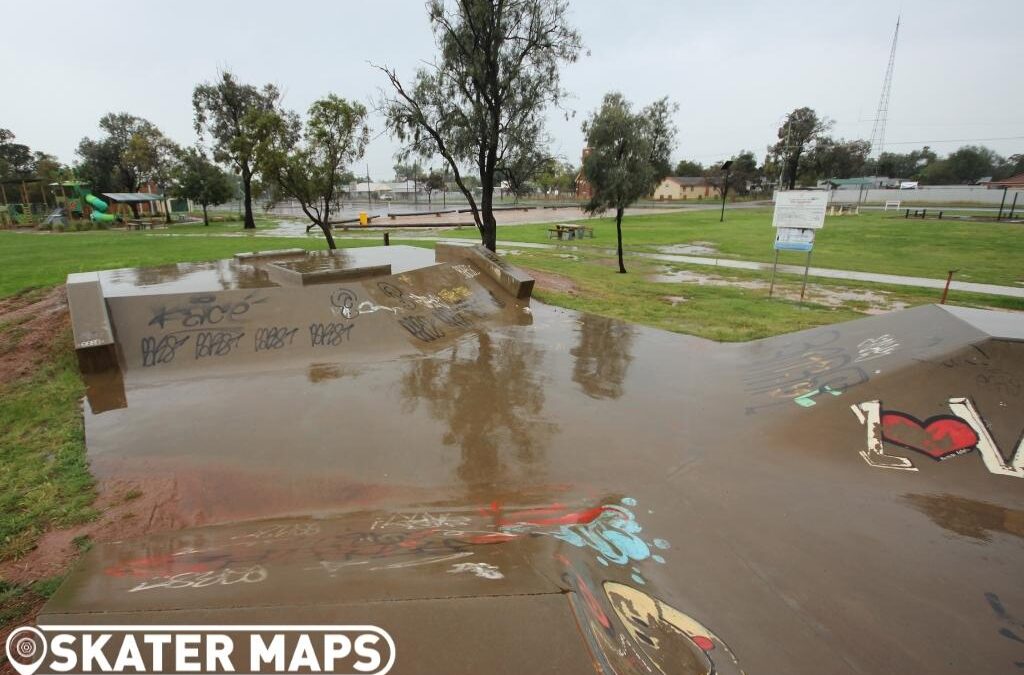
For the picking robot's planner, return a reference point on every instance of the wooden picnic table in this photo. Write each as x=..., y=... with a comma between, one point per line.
x=568, y=231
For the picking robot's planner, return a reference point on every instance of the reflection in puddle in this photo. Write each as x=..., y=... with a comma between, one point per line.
x=105, y=390
x=488, y=392
x=229, y=274
x=968, y=517
x=602, y=356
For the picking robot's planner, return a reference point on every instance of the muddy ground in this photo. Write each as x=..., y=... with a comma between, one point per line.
x=33, y=328
x=28, y=322
x=874, y=302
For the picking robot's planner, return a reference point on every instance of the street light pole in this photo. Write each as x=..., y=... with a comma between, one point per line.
x=725, y=188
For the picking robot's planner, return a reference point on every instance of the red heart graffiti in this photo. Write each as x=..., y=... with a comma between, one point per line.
x=938, y=437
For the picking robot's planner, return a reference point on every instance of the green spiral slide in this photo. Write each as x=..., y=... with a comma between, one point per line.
x=99, y=209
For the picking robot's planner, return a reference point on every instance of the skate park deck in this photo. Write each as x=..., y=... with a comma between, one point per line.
x=506, y=486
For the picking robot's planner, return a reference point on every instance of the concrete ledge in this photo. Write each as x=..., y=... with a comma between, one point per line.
x=263, y=255
x=89, y=319
x=514, y=280
x=293, y=275
x=90, y=323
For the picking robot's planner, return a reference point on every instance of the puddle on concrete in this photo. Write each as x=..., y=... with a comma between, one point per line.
x=232, y=274
x=693, y=248
x=968, y=517
x=426, y=422
x=878, y=302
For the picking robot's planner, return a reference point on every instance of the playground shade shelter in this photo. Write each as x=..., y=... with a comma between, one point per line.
x=129, y=197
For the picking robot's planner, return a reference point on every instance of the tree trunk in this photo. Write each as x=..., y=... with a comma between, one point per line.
x=794, y=165
x=488, y=224
x=250, y=223
x=167, y=211
x=206, y=218
x=327, y=234
x=618, y=231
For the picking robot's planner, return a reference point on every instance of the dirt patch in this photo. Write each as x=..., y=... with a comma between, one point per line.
x=869, y=302
x=14, y=612
x=551, y=282
x=28, y=322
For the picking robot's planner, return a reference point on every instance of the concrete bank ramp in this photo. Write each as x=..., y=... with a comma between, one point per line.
x=542, y=490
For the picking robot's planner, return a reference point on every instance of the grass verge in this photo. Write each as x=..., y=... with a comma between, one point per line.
x=726, y=313
x=871, y=242
x=44, y=477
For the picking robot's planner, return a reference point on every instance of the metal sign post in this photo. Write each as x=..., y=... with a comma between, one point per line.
x=798, y=214
x=771, y=286
x=807, y=267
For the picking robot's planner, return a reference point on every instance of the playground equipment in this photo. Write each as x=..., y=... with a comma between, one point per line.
x=24, y=210
x=99, y=213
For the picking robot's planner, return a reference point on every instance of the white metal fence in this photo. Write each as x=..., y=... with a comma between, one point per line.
x=928, y=194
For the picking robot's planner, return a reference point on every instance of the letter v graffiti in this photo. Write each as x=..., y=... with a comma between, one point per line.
x=941, y=437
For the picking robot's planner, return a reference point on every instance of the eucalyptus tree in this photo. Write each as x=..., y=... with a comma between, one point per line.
x=307, y=161
x=482, y=100
x=629, y=155
x=197, y=178
x=798, y=136
x=226, y=110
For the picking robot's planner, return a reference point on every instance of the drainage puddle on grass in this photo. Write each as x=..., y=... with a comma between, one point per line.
x=695, y=248
x=877, y=302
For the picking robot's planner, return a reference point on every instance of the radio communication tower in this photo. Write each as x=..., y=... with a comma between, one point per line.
x=878, y=130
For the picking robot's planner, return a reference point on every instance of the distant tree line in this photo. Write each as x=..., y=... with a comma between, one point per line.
x=806, y=154
x=478, y=110
x=19, y=161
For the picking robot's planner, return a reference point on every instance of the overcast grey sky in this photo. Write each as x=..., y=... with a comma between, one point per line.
x=735, y=67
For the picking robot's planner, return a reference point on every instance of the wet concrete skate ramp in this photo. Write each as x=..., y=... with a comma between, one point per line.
x=566, y=492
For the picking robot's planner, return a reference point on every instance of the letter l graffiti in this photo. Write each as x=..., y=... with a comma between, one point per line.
x=870, y=414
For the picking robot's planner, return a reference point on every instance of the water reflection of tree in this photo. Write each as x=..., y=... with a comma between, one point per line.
x=214, y=275
x=151, y=276
x=602, y=356
x=492, y=401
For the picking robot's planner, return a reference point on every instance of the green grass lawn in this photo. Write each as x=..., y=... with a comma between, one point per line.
x=41, y=260
x=871, y=242
x=725, y=313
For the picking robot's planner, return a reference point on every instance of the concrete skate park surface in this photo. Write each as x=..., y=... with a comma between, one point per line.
x=507, y=487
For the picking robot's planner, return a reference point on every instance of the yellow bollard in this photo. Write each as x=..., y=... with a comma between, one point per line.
x=363, y=219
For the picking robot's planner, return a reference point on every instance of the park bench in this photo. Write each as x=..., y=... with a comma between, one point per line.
x=920, y=213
